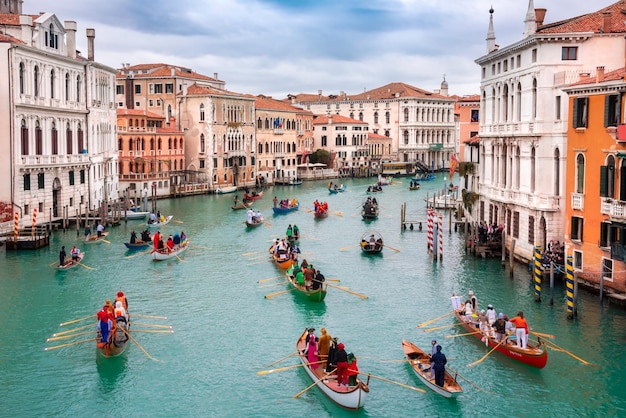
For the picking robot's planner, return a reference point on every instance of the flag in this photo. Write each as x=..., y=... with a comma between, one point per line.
x=454, y=163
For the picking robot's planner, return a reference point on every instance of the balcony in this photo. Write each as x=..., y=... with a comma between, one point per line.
x=549, y=203
x=578, y=201
x=54, y=160
x=279, y=131
x=616, y=209
x=135, y=129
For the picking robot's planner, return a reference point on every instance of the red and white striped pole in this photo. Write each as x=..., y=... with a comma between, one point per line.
x=440, y=230
x=430, y=231
x=34, y=222
x=16, y=225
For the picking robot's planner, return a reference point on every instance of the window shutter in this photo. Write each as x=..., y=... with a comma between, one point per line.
x=574, y=228
x=575, y=115
x=604, y=177
x=581, y=226
x=622, y=182
x=607, y=111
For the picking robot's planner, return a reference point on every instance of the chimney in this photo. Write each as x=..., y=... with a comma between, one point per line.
x=599, y=74
x=26, y=22
x=583, y=76
x=215, y=76
x=606, y=27
x=91, y=35
x=70, y=37
x=319, y=95
x=540, y=14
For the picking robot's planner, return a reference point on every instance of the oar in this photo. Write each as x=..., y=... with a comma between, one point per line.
x=85, y=266
x=468, y=381
x=271, y=295
x=262, y=372
x=297, y=395
x=103, y=240
x=149, y=316
x=463, y=335
x=271, y=278
x=180, y=222
x=490, y=351
x=141, y=253
x=391, y=248
x=247, y=254
x=272, y=285
x=63, y=337
x=136, y=343
x=394, y=382
x=68, y=344
x=152, y=325
x=338, y=213
x=332, y=280
x=179, y=259
x=53, y=263
x=348, y=247
x=283, y=359
x=171, y=331
x=349, y=291
x=549, y=343
x=541, y=334
x=441, y=327
x=69, y=331
x=77, y=320
x=434, y=320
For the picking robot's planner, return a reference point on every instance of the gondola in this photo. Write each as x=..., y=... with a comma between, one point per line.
x=373, y=189
x=70, y=263
x=369, y=210
x=535, y=354
x=252, y=197
x=255, y=222
x=131, y=215
x=164, y=254
x=335, y=189
x=279, y=210
x=284, y=262
x=372, y=242
x=420, y=363
x=313, y=295
x=350, y=397
x=226, y=189
x=241, y=205
x=117, y=340
x=160, y=223
x=91, y=238
x=295, y=182
x=138, y=245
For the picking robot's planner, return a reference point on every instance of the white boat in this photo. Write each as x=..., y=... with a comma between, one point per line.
x=351, y=397
x=225, y=189
x=420, y=363
x=158, y=224
x=448, y=201
x=166, y=255
x=130, y=214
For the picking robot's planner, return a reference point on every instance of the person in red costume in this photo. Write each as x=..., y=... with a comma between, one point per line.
x=342, y=365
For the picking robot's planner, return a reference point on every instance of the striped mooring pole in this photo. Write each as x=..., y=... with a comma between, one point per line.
x=537, y=273
x=569, y=292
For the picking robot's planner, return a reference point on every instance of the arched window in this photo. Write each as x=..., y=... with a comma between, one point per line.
x=54, y=139
x=202, y=143
x=78, y=89
x=180, y=143
x=607, y=180
x=406, y=114
x=151, y=144
x=159, y=143
x=69, y=139
x=361, y=116
x=505, y=103
x=493, y=106
x=375, y=117
x=405, y=136
x=518, y=102
x=622, y=180
x=22, y=75
x=534, y=109
x=532, y=169
x=67, y=86
x=202, y=112
x=517, y=167
x=387, y=118
x=169, y=113
x=24, y=137
x=259, y=123
x=169, y=143
x=52, y=37
x=557, y=172
x=36, y=81
x=351, y=115
x=80, y=145
x=38, y=139
x=260, y=148
x=52, y=82
x=580, y=174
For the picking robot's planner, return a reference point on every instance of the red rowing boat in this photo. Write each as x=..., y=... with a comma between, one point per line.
x=534, y=355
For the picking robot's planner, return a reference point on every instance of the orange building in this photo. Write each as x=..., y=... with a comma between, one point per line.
x=151, y=155
x=595, y=213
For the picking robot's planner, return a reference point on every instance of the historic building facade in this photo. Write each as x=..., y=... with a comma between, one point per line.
x=57, y=120
x=524, y=119
x=346, y=140
x=595, y=204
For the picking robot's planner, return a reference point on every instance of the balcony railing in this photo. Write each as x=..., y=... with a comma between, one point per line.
x=540, y=202
x=55, y=160
x=614, y=208
x=578, y=201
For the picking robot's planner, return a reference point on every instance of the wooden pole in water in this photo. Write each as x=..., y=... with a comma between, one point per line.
x=551, y=283
x=569, y=293
x=512, y=257
x=503, y=250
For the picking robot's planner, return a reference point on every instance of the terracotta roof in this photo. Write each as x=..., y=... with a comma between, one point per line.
x=168, y=130
x=609, y=76
x=267, y=103
x=388, y=91
x=8, y=38
x=372, y=135
x=475, y=140
x=326, y=119
x=591, y=22
x=138, y=112
x=196, y=90
x=160, y=70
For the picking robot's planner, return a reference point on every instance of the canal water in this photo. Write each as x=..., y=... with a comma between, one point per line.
x=226, y=330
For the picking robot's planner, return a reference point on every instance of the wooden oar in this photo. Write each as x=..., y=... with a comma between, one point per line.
x=85, y=266
x=297, y=395
x=53, y=263
x=283, y=359
x=149, y=316
x=490, y=351
x=171, y=331
x=272, y=285
x=434, y=320
x=152, y=325
x=550, y=343
x=463, y=335
x=136, y=343
x=179, y=259
x=77, y=320
x=271, y=278
x=247, y=254
x=72, y=330
x=180, y=222
x=394, y=382
x=391, y=248
x=68, y=344
x=348, y=247
x=541, y=334
x=333, y=280
x=338, y=213
x=262, y=372
x=349, y=291
x=141, y=253
x=63, y=337
x=441, y=327
x=271, y=295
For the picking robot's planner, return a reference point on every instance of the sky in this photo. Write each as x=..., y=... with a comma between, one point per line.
x=281, y=47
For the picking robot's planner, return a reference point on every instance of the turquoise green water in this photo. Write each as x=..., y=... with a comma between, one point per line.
x=226, y=331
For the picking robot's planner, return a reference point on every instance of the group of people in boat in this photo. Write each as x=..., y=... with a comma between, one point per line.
x=307, y=277
x=74, y=253
x=334, y=187
x=145, y=237
x=285, y=203
x=99, y=231
x=156, y=218
x=254, y=217
x=171, y=244
x=320, y=206
x=554, y=253
x=374, y=188
x=325, y=352
x=247, y=196
x=370, y=206
x=293, y=232
x=283, y=249
x=414, y=184
x=492, y=325
x=109, y=315
x=372, y=243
